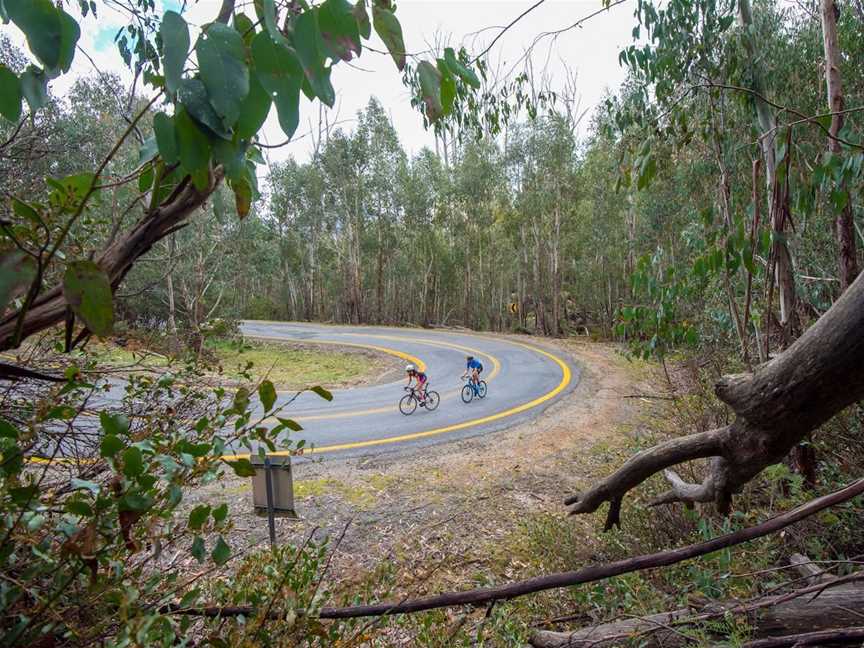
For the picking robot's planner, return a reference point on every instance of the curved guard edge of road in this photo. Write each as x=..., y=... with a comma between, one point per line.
x=565, y=380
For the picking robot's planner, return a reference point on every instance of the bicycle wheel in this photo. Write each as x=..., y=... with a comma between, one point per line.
x=467, y=394
x=432, y=400
x=481, y=389
x=408, y=404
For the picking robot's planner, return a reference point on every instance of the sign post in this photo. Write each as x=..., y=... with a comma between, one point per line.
x=273, y=489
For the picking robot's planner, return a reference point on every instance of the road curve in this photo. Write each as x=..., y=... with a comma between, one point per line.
x=523, y=378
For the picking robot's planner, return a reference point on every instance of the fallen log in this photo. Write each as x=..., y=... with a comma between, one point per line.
x=821, y=638
x=826, y=606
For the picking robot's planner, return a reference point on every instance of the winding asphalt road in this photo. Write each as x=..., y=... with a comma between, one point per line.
x=523, y=379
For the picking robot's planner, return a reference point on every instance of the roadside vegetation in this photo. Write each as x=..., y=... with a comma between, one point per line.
x=705, y=233
x=288, y=366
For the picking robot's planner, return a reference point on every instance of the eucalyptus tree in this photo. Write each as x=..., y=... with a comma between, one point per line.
x=735, y=96
x=84, y=524
x=207, y=132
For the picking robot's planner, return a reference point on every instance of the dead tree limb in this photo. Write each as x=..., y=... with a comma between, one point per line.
x=776, y=406
x=14, y=372
x=482, y=596
x=815, y=607
x=821, y=638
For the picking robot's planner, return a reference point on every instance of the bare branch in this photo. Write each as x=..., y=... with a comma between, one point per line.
x=682, y=491
x=821, y=638
x=507, y=27
x=593, y=573
x=644, y=465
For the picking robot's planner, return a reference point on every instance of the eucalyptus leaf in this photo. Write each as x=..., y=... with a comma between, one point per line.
x=166, y=138
x=192, y=144
x=198, y=549
x=339, y=29
x=430, y=86
x=221, y=552
x=254, y=111
x=175, y=48
x=198, y=516
x=309, y=45
x=110, y=445
x=460, y=69
x=70, y=33
x=242, y=467
x=362, y=18
x=267, y=394
x=193, y=95
x=41, y=23
x=388, y=28
x=323, y=393
x=280, y=74
x=87, y=290
x=34, y=87
x=10, y=94
x=221, y=61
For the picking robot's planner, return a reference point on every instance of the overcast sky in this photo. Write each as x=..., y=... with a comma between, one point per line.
x=591, y=52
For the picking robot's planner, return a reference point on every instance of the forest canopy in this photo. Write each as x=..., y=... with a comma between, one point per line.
x=708, y=215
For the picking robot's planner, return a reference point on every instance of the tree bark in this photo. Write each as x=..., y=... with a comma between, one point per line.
x=811, y=610
x=172, y=309
x=117, y=259
x=555, y=262
x=845, y=227
x=776, y=406
x=777, y=215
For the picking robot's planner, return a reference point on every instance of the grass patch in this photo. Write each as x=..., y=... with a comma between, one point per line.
x=292, y=366
x=287, y=365
x=357, y=496
x=114, y=355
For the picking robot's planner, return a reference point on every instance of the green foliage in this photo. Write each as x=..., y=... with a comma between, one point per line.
x=82, y=540
x=88, y=291
x=175, y=48
x=221, y=57
x=430, y=85
x=10, y=94
x=657, y=325
x=279, y=73
x=388, y=28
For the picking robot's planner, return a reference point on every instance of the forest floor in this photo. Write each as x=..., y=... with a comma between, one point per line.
x=468, y=512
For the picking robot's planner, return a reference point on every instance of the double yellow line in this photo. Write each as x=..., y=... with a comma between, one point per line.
x=566, y=377
x=496, y=368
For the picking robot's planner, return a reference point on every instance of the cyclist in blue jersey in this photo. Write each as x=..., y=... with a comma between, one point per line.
x=475, y=367
x=421, y=378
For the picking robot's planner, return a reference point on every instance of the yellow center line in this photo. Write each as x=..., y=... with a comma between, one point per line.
x=566, y=376
x=399, y=354
x=496, y=368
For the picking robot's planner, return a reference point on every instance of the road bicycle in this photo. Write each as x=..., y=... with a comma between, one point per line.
x=470, y=390
x=409, y=402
